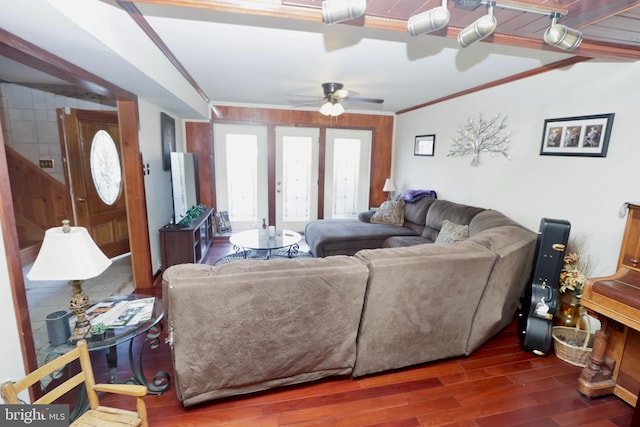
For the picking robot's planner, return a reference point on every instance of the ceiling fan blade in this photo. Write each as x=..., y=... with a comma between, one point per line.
x=301, y=103
x=371, y=100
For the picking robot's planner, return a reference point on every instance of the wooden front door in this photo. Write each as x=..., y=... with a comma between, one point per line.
x=95, y=173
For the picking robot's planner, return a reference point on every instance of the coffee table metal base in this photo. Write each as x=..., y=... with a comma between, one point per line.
x=283, y=253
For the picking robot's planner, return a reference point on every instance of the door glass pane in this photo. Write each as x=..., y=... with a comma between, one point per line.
x=296, y=178
x=106, y=172
x=242, y=176
x=346, y=168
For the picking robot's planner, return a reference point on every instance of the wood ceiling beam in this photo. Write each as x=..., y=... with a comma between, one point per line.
x=554, y=66
x=19, y=50
x=139, y=19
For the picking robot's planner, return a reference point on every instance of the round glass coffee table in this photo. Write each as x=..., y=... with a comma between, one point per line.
x=260, y=244
x=151, y=327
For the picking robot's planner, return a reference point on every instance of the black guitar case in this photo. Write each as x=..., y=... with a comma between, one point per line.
x=540, y=301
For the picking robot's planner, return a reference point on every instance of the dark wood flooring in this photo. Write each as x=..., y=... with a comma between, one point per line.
x=498, y=385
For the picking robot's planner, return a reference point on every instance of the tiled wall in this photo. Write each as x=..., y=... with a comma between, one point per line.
x=29, y=123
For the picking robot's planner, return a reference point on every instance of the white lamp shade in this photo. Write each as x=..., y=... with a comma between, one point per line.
x=388, y=185
x=337, y=109
x=68, y=256
x=326, y=108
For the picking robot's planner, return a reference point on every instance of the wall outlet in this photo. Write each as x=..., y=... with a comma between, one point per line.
x=46, y=163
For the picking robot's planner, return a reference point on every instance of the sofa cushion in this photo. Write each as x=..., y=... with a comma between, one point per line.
x=415, y=214
x=444, y=209
x=327, y=237
x=366, y=215
x=402, y=241
x=391, y=212
x=452, y=232
x=489, y=219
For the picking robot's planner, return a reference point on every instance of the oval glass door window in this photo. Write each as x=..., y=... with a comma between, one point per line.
x=105, y=167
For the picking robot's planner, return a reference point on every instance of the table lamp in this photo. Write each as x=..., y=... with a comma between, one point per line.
x=389, y=187
x=69, y=253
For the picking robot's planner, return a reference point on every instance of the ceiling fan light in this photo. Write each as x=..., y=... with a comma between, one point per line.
x=562, y=37
x=481, y=28
x=337, y=109
x=334, y=11
x=330, y=108
x=326, y=108
x=431, y=20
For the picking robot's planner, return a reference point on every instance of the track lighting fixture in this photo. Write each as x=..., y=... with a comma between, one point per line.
x=557, y=35
x=431, y=20
x=561, y=36
x=334, y=11
x=481, y=28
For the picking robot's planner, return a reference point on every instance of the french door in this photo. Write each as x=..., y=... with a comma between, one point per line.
x=297, y=150
x=347, y=172
x=241, y=174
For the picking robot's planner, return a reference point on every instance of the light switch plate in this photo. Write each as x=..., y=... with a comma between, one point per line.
x=46, y=163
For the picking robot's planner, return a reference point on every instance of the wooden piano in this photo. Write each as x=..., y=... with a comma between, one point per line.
x=614, y=364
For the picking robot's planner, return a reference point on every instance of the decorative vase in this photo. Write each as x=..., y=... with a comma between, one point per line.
x=568, y=315
x=570, y=311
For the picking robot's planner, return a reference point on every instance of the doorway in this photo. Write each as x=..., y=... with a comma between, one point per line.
x=347, y=173
x=241, y=174
x=95, y=176
x=297, y=160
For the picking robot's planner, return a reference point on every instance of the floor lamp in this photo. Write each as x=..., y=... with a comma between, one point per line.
x=69, y=253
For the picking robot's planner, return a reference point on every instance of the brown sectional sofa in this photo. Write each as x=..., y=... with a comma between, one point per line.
x=252, y=324
x=422, y=223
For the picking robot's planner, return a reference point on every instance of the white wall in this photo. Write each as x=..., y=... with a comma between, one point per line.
x=158, y=182
x=30, y=125
x=587, y=191
x=11, y=364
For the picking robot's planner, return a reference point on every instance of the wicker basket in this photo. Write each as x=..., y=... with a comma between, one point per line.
x=565, y=340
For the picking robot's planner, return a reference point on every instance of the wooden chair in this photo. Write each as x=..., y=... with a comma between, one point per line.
x=96, y=415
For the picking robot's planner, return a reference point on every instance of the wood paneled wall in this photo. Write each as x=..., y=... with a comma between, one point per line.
x=39, y=200
x=199, y=138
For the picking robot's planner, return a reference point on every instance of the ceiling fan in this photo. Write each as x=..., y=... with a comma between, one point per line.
x=334, y=94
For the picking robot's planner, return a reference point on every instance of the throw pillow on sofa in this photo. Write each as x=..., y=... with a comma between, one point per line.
x=451, y=232
x=390, y=212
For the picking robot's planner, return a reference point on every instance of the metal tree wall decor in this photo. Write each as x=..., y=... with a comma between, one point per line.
x=483, y=135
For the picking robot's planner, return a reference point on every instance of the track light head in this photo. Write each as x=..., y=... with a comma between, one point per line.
x=334, y=11
x=561, y=36
x=481, y=28
x=431, y=20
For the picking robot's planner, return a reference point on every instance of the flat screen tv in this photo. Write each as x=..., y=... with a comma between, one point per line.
x=184, y=183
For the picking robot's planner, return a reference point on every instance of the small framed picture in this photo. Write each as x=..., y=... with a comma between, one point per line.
x=424, y=145
x=223, y=225
x=577, y=136
x=168, y=136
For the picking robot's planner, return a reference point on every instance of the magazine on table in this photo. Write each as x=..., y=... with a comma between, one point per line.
x=117, y=314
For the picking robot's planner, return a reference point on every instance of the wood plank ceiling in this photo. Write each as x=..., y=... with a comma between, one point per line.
x=611, y=29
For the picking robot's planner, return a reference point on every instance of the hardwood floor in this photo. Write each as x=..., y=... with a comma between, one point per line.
x=497, y=385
